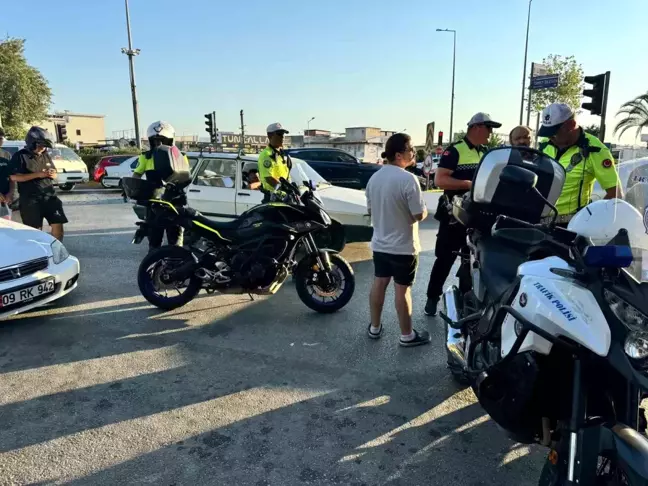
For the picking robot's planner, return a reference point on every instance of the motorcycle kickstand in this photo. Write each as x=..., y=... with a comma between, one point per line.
x=251, y=297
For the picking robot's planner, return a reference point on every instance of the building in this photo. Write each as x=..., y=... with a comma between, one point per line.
x=365, y=143
x=87, y=130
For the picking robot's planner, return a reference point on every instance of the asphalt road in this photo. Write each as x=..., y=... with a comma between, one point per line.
x=103, y=389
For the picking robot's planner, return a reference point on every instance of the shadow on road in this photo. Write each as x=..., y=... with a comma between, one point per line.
x=244, y=399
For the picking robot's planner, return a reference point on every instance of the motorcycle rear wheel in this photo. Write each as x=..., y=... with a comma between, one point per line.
x=150, y=278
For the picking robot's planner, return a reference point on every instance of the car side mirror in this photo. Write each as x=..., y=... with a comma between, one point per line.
x=519, y=176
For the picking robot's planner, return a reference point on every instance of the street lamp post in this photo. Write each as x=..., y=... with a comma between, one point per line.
x=308, y=123
x=130, y=52
x=526, y=50
x=454, y=58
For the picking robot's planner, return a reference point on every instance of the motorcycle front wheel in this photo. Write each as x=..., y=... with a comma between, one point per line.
x=154, y=281
x=325, y=295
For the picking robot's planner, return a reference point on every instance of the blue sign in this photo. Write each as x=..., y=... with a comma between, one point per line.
x=545, y=82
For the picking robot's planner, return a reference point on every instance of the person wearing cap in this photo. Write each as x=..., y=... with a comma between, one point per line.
x=584, y=157
x=454, y=175
x=273, y=163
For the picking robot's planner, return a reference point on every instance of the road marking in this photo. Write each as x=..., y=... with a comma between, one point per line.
x=125, y=232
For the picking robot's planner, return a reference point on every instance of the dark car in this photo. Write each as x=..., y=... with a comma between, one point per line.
x=338, y=167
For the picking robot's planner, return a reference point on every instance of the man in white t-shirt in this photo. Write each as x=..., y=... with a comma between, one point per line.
x=395, y=203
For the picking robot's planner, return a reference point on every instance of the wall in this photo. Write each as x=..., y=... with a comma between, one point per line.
x=92, y=128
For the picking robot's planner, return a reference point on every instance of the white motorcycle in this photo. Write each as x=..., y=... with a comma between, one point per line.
x=553, y=336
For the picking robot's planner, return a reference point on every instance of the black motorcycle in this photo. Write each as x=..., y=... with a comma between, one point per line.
x=253, y=254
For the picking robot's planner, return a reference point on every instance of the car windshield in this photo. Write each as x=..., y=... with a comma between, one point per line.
x=64, y=153
x=302, y=172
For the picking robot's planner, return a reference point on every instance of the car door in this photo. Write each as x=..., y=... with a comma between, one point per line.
x=246, y=197
x=351, y=170
x=317, y=162
x=213, y=188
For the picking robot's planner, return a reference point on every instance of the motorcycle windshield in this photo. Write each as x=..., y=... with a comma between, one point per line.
x=637, y=196
x=301, y=172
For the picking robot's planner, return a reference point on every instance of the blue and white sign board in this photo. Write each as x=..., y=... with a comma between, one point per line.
x=545, y=82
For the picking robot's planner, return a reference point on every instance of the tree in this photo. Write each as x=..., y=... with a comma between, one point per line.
x=494, y=141
x=458, y=136
x=420, y=155
x=24, y=92
x=636, y=115
x=593, y=130
x=570, y=84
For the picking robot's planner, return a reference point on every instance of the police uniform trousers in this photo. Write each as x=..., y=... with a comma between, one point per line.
x=451, y=241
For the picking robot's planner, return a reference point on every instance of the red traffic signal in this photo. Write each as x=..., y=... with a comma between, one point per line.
x=440, y=138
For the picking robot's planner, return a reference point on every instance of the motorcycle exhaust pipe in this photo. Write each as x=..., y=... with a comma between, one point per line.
x=203, y=275
x=455, y=342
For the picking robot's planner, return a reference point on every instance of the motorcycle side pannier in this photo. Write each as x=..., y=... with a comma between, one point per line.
x=138, y=189
x=490, y=197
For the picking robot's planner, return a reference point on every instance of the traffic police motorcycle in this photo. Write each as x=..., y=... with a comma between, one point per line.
x=553, y=336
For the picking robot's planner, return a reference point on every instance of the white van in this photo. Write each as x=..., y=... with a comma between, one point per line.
x=70, y=167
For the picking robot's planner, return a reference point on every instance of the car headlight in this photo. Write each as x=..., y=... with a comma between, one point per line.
x=636, y=343
x=59, y=252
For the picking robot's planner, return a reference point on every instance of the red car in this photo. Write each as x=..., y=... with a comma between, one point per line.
x=100, y=168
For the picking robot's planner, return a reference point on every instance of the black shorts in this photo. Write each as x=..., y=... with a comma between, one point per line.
x=34, y=211
x=401, y=267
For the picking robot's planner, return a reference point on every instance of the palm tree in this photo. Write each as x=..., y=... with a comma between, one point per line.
x=636, y=115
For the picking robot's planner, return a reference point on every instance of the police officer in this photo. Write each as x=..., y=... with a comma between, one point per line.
x=33, y=170
x=158, y=133
x=585, y=159
x=454, y=175
x=273, y=163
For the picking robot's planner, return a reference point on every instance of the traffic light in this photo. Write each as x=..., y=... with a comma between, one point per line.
x=440, y=138
x=210, y=125
x=61, y=133
x=597, y=93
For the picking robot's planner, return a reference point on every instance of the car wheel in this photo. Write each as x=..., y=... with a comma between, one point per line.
x=103, y=182
x=66, y=187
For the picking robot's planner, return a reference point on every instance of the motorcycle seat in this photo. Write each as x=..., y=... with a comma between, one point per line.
x=224, y=227
x=498, y=263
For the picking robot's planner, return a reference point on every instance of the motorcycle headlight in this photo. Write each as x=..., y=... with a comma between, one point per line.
x=325, y=217
x=636, y=343
x=632, y=317
x=59, y=252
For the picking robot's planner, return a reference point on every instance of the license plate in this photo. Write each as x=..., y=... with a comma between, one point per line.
x=25, y=295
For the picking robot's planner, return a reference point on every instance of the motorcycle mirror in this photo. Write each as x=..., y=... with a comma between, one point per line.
x=519, y=176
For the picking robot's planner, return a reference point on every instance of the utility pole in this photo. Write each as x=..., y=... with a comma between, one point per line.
x=526, y=50
x=131, y=53
x=454, y=58
x=604, y=107
x=528, y=120
x=242, y=146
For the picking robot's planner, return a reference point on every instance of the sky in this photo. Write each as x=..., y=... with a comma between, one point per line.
x=347, y=63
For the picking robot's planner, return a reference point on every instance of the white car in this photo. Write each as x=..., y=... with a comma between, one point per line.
x=114, y=173
x=35, y=268
x=220, y=188
x=70, y=168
